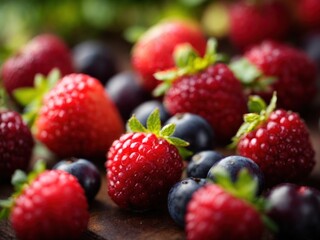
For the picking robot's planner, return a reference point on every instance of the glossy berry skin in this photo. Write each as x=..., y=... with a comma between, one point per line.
x=143, y=110
x=141, y=169
x=86, y=173
x=214, y=94
x=200, y=163
x=153, y=52
x=53, y=206
x=16, y=144
x=281, y=147
x=296, y=211
x=126, y=93
x=95, y=58
x=40, y=55
x=213, y=213
x=311, y=45
x=193, y=129
x=77, y=118
x=308, y=13
x=233, y=165
x=294, y=71
x=250, y=24
x=180, y=195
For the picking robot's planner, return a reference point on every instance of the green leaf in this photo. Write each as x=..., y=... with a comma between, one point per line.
x=184, y=55
x=135, y=126
x=166, y=75
x=177, y=142
x=184, y=153
x=247, y=186
x=53, y=77
x=256, y=104
x=168, y=130
x=211, y=50
x=270, y=224
x=272, y=105
x=161, y=89
x=245, y=71
x=38, y=168
x=251, y=117
x=6, y=207
x=25, y=95
x=153, y=122
x=18, y=179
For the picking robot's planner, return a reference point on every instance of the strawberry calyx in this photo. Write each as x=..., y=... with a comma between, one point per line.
x=251, y=77
x=20, y=180
x=187, y=62
x=259, y=113
x=165, y=132
x=31, y=97
x=245, y=188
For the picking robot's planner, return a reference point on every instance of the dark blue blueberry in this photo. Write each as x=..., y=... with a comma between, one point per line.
x=233, y=165
x=143, y=111
x=296, y=211
x=86, y=172
x=200, y=163
x=193, y=129
x=180, y=195
x=311, y=45
x=96, y=59
x=126, y=93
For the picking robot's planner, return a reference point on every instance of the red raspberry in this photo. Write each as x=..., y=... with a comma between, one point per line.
x=213, y=213
x=308, y=13
x=16, y=144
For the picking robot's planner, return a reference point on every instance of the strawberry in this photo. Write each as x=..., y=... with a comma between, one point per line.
x=277, y=140
x=40, y=55
x=225, y=210
x=47, y=205
x=16, y=141
x=252, y=23
x=153, y=51
x=144, y=164
x=308, y=13
x=75, y=118
x=199, y=86
x=293, y=74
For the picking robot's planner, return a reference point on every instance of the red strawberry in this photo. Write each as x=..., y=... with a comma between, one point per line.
x=221, y=212
x=51, y=205
x=202, y=88
x=253, y=23
x=278, y=141
x=308, y=13
x=153, y=51
x=40, y=55
x=76, y=117
x=16, y=144
x=143, y=165
x=294, y=74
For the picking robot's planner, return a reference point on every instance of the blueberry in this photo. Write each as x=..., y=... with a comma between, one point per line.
x=201, y=163
x=143, y=111
x=296, y=211
x=233, y=165
x=86, y=172
x=311, y=45
x=96, y=59
x=180, y=195
x=126, y=93
x=193, y=129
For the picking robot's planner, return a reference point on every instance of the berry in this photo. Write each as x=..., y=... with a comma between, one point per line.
x=214, y=213
x=278, y=142
x=143, y=111
x=197, y=85
x=153, y=51
x=311, y=45
x=86, y=173
x=233, y=165
x=96, y=59
x=40, y=55
x=16, y=144
x=201, y=163
x=294, y=73
x=193, y=129
x=143, y=164
x=250, y=24
x=308, y=13
x=126, y=93
x=180, y=195
x=296, y=211
x=50, y=205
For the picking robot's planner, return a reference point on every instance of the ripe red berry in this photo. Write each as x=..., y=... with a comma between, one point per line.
x=40, y=55
x=250, y=24
x=16, y=144
x=308, y=13
x=153, y=51
x=143, y=166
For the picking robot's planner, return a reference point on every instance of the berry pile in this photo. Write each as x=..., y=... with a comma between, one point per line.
x=187, y=129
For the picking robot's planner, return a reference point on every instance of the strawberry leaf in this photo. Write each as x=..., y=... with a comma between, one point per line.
x=168, y=130
x=6, y=206
x=177, y=142
x=25, y=95
x=153, y=122
x=273, y=104
x=184, y=55
x=19, y=178
x=161, y=89
x=185, y=153
x=245, y=71
x=256, y=104
x=135, y=126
